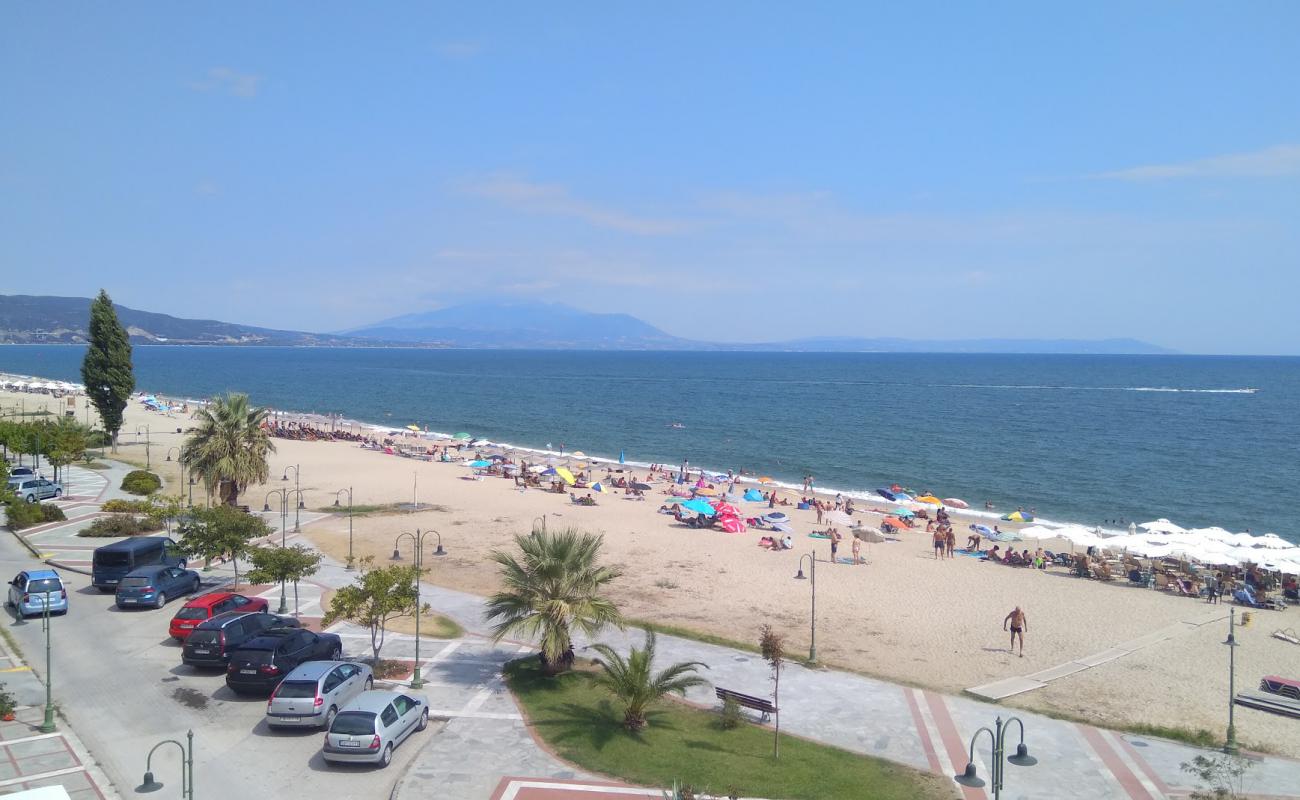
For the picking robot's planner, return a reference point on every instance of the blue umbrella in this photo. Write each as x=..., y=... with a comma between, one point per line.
x=620, y=457
x=902, y=512
x=480, y=464
x=699, y=507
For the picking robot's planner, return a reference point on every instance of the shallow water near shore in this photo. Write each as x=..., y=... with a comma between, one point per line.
x=1200, y=440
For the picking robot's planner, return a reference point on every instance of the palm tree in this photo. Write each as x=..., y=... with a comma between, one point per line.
x=552, y=589
x=229, y=449
x=630, y=680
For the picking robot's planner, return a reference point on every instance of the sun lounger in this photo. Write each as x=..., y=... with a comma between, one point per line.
x=1287, y=635
x=1281, y=686
x=1274, y=704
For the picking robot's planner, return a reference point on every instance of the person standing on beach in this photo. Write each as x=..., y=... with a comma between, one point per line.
x=950, y=539
x=857, y=549
x=820, y=514
x=835, y=544
x=1019, y=625
x=940, y=542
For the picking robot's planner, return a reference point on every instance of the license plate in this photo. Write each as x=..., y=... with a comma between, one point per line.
x=248, y=672
x=128, y=599
x=346, y=743
x=199, y=652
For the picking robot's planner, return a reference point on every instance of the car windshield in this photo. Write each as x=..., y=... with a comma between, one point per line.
x=112, y=559
x=294, y=689
x=354, y=723
x=134, y=583
x=44, y=585
x=203, y=637
x=252, y=657
x=192, y=613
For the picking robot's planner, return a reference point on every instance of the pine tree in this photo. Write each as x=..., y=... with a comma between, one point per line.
x=106, y=370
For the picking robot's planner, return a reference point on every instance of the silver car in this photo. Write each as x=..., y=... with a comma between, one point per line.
x=371, y=726
x=33, y=489
x=311, y=695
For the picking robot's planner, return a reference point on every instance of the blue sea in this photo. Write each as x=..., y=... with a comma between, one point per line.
x=1200, y=440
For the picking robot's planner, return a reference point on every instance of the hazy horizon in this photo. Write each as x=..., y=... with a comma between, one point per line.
x=730, y=173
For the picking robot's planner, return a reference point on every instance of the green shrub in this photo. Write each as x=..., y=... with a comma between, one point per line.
x=141, y=482
x=730, y=716
x=127, y=506
x=24, y=515
x=121, y=525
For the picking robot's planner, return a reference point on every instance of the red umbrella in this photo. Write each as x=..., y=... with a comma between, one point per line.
x=726, y=509
x=732, y=524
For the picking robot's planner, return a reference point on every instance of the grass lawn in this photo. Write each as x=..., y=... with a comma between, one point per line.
x=583, y=724
x=432, y=625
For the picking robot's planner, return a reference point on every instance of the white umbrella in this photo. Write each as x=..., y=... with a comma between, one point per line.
x=1162, y=525
x=1273, y=542
x=1039, y=532
x=1243, y=540
x=1080, y=535
x=839, y=518
x=1214, y=532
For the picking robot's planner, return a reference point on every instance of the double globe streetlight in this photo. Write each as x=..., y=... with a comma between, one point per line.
x=417, y=544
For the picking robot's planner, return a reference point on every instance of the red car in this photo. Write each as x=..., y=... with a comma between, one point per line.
x=201, y=609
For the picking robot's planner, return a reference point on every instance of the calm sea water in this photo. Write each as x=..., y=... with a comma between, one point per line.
x=1201, y=440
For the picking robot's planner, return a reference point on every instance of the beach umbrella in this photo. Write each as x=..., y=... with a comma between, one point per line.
x=885, y=493
x=1040, y=532
x=902, y=512
x=754, y=496
x=642, y=487
x=706, y=491
x=621, y=457
x=599, y=488
x=1273, y=542
x=776, y=517
x=982, y=530
x=1077, y=534
x=415, y=428
x=480, y=464
x=462, y=436
x=840, y=518
x=764, y=479
x=565, y=475
x=1215, y=532
x=955, y=502
x=894, y=522
x=498, y=457
x=929, y=498
x=1162, y=525
x=579, y=454
x=732, y=524
x=699, y=507
x=1018, y=516
x=724, y=509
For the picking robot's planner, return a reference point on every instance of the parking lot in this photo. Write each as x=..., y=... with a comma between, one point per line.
x=119, y=681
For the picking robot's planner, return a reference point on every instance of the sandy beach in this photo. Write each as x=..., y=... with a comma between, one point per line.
x=904, y=616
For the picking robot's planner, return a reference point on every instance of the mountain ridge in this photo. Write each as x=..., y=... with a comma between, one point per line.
x=41, y=319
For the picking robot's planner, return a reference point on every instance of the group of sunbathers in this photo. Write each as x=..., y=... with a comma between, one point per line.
x=1038, y=559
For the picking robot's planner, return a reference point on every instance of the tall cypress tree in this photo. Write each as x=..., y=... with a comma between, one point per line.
x=106, y=370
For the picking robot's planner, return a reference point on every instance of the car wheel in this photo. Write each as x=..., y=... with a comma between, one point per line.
x=196, y=586
x=329, y=717
x=337, y=653
x=424, y=720
x=31, y=498
x=370, y=684
x=58, y=492
x=386, y=757
x=161, y=600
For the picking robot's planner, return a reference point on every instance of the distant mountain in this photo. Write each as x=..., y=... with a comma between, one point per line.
x=828, y=344
x=32, y=319
x=550, y=326
x=26, y=319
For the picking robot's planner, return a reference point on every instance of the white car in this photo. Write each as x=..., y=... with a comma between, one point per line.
x=34, y=489
x=369, y=728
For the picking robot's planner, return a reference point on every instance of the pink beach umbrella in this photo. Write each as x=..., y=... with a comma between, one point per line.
x=732, y=524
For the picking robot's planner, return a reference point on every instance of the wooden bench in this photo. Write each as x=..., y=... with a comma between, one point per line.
x=759, y=704
x=244, y=509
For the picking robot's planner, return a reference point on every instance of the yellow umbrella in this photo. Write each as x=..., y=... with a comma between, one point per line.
x=706, y=491
x=415, y=428
x=565, y=475
x=931, y=499
x=764, y=479
x=579, y=454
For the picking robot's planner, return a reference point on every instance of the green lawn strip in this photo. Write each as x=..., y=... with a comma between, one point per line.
x=377, y=510
x=583, y=725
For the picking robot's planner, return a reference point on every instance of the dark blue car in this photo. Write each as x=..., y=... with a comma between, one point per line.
x=155, y=585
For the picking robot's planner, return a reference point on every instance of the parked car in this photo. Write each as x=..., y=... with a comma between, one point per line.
x=312, y=694
x=207, y=606
x=112, y=562
x=155, y=585
x=20, y=473
x=261, y=663
x=33, y=588
x=35, y=489
x=369, y=728
x=211, y=643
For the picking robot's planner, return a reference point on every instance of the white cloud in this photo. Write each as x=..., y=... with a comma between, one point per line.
x=557, y=200
x=227, y=81
x=1271, y=162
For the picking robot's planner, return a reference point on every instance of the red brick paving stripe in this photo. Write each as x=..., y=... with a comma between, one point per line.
x=1130, y=782
x=921, y=731
x=958, y=755
x=1142, y=764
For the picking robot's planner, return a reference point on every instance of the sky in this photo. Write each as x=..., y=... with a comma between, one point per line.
x=728, y=171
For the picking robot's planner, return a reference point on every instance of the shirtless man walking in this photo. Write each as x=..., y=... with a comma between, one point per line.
x=1019, y=624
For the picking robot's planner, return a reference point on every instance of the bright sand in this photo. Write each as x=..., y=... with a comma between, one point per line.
x=904, y=617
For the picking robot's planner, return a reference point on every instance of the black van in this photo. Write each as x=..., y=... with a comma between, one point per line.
x=113, y=561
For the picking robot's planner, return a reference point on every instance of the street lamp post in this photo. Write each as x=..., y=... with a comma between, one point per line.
x=48, y=725
x=148, y=444
x=336, y=503
x=1230, y=746
x=298, y=488
x=812, y=572
x=284, y=494
x=998, y=739
x=187, y=768
x=417, y=543
x=180, y=461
